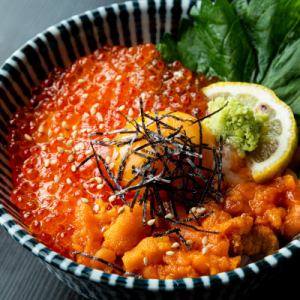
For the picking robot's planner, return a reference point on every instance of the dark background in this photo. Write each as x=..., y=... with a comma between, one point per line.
x=21, y=275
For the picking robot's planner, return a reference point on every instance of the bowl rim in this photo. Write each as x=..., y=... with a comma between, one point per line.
x=67, y=265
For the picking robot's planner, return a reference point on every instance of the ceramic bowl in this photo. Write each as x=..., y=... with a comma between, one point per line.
x=127, y=24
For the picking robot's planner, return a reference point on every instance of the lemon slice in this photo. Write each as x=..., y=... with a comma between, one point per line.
x=278, y=139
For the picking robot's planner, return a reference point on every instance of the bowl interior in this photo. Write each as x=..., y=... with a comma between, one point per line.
x=129, y=23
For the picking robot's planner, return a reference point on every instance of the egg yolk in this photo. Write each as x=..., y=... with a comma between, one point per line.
x=181, y=122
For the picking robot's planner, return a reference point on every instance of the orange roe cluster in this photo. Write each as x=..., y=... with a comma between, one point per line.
x=49, y=137
x=275, y=205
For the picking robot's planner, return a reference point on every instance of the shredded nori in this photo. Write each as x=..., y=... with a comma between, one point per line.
x=183, y=177
x=110, y=264
x=167, y=232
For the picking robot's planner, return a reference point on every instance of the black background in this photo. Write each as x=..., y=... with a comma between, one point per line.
x=22, y=276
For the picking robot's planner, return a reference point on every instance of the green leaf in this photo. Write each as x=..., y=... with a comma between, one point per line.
x=168, y=49
x=283, y=75
x=269, y=24
x=274, y=30
x=215, y=43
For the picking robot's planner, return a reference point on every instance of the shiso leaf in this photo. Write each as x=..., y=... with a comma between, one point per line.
x=168, y=48
x=269, y=25
x=213, y=42
x=283, y=75
x=273, y=26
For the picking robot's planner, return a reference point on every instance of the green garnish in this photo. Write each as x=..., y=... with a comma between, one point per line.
x=236, y=124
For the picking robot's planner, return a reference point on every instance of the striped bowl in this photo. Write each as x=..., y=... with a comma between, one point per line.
x=127, y=24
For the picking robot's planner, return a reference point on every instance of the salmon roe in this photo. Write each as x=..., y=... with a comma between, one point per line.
x=50, y=136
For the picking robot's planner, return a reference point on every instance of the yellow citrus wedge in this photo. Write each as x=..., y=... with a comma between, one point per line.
x=279, y=135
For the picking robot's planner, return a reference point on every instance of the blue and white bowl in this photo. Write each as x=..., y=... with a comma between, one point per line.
x=127, y=24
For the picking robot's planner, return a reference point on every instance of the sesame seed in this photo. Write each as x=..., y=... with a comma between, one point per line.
x=96, y=208
x=145, y=261
x=99, y=117
x=143, y=95
x=79, y=147
x=130, y=112
x=169, y=216
x=170, y=253
x=84, y=200
x=101, y=126
x=41, y=128
x=98, y=179
x=65, y=125
x=189, y=242
x=56, y=178
x=47, y=163
x=74, y=134
x=115, y=155
x=44, y=147
x=53, y=161
x=71, y=158
x=80, y=80
x=73, y=168
x=69, y=143
x=89, y=130
x=122, y=107
x=60, y=150
x=74, y=127
x=49, y=133
x=89, y=152
x=121, y=209
x=60, y=137
x=175, y=245
x=178, y=74
x=111, y=165
x=107, y=159
x=119, y=77
x=28, y=137
x=86, y=115
x=112, y=198
x=204, y=250
x=93, y=109
x=100, y=186
x=69, y=181
x=204, y=240
x=103, y=229
x=106, y=139
x=193, y=210
x=85, y=96
x=151, y=222
x=83, y=130
x=200, y=210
